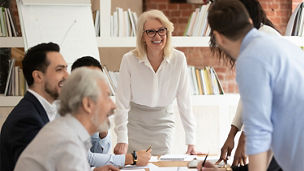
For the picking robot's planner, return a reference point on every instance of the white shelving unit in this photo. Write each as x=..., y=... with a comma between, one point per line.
x=106, y=41
x=9, y=101
x=178, y=41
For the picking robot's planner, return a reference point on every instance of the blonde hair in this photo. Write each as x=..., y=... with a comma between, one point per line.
x=141, y=49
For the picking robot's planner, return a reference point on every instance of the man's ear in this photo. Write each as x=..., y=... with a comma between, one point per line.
x=37, y=76
x=250, y=21
x=87, y=104
x=218, y=38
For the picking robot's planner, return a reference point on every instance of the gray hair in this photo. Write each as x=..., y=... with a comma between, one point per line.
x=141, y=48
x=83, y=82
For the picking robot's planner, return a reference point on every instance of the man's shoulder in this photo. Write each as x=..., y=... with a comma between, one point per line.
x=26, y=112
x=28, y=107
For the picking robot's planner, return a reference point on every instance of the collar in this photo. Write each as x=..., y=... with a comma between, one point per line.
x=145, y=60
x=252, y=33
x=79, y=129
x=51, y=109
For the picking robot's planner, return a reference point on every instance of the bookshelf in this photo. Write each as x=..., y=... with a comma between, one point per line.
x=118, y=42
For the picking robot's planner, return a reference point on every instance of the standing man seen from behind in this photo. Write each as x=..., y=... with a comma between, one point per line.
x=270, y=76
x=45, y=71
x=63, y=144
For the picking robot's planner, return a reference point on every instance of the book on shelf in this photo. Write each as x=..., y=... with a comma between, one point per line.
x=204, y=81
x=197, y=22
x=295, y=26
x=7, y=26
x=121, y=23
x=11, y=66
x=5, y=56
x=16, y=84
x=96, y=17
x=133, y=23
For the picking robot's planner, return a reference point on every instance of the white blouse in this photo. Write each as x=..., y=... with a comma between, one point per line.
x=139, y=83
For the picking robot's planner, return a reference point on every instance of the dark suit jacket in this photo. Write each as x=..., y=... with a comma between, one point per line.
x=19, y=129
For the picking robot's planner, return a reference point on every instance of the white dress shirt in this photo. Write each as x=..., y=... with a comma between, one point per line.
x=51, y=109
x=139, y=83
x=61, y=145
x=98, y=154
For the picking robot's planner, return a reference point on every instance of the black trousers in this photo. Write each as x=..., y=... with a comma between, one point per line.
x=273, y=166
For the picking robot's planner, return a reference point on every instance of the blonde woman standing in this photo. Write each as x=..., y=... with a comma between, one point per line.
x=151, y=77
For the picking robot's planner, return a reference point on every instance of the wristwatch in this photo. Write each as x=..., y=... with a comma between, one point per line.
x=134, y=157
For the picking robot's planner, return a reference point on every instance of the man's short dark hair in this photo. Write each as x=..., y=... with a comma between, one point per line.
x=86, y=61
x=36, y=59
x=231, y=19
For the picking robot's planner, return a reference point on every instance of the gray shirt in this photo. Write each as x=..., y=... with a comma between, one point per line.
x=60, y=145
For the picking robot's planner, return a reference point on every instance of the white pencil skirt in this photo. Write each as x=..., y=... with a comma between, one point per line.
x=150, y=126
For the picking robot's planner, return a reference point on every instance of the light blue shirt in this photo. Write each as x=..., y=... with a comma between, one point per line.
x=270, y=76
x=99, y=155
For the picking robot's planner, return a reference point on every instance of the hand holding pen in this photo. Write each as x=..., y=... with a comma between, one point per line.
x=149, y=148
x=206, y=166
x=203, y=164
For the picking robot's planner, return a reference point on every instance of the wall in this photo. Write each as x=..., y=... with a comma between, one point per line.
x=278, y=11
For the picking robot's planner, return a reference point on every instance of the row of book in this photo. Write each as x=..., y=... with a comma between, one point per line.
x=205, y=81
x=198, y=23
x=15, y=84
x=122, y=23
x=7, y=26
x=295, y=26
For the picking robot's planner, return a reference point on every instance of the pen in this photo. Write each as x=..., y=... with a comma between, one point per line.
x=203, y=164
x=149, y=148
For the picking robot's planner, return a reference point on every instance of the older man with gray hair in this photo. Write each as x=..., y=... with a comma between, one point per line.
x=63, y=144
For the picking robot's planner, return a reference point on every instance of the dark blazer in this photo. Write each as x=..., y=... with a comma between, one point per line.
x=19, y=129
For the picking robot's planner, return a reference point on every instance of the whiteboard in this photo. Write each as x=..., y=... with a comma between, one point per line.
x=70, y=26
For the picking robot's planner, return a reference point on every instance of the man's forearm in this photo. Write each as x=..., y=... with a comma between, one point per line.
x=129, y=159
x=258, y=162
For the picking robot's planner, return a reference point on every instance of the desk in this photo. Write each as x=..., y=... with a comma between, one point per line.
x=171, y=163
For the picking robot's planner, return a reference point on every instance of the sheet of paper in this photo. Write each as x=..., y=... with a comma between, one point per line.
x=132, y=167
x=180, y=157
x=171, y=169
x=154, y=159
x=173, y=157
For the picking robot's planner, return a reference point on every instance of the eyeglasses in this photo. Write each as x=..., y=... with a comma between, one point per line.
x=161, y=32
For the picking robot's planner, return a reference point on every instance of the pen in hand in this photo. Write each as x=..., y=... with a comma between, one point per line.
x=203, y=164
x=149, y=148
